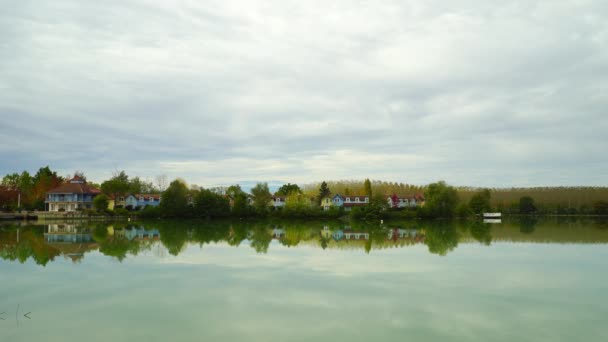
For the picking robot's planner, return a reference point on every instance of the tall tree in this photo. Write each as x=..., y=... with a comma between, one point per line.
x=367, y=187
x=175, y=199
x=526, y=205
x=261, y=197
x=323, y=192
x=440, y=200
x=480, y=201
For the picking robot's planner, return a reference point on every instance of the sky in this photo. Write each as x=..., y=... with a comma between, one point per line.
x=473, y=92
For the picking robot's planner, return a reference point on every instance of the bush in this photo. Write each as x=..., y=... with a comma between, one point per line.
x=121, y=212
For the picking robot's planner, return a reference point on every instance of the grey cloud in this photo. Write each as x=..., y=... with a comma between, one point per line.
x=474, y=92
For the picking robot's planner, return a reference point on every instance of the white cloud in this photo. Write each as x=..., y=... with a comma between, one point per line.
x=230, y=90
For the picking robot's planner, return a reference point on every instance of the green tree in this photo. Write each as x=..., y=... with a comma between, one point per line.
x=175, y=199
x=440, y=200
x=261, y=197
x=526, y=205
x=288, y=189
x=600, y=208
x=100, y=202
x=117, y=186
x=480, y=202
x=323, y=192
x=209, y=204
x=367, y=188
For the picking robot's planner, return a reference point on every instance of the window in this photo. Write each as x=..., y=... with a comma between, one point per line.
x=348, y=199
x=356, y=199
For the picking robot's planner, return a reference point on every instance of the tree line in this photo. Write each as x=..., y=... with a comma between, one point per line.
x=441, y=199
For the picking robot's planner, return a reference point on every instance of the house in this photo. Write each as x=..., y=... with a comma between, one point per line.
x=114, y=203
x=348, y=202
x=74, y=195
x=326, y=202
x=397, y=202
x=355, y=201
x=140, y=201
x=278, y=201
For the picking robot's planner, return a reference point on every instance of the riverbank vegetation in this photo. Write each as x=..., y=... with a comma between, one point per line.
x=180, y=200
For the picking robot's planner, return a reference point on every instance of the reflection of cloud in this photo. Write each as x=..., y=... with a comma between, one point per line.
x=337, y=262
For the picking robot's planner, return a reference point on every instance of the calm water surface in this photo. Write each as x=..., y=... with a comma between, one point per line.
x=326, y=281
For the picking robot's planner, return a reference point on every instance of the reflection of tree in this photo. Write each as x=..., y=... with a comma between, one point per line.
x=323, y=241
x=441, y=238
x=481, y=232
x=238, y=233
x=173, y=237
x=21, y=243
x=527, y=224
x=260, y=239
x=118, y=247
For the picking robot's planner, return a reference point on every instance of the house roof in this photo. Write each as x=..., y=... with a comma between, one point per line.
x=77, y=186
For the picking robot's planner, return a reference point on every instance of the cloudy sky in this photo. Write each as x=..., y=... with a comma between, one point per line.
x=474, y=92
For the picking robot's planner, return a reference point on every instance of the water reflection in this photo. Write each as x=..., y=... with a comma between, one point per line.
x=73, y=240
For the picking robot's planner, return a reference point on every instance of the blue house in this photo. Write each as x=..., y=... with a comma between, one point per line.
x=338, y=235
x=140, y=201
x=337, y=200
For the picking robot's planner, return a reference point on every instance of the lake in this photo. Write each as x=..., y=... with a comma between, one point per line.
x=522, y=280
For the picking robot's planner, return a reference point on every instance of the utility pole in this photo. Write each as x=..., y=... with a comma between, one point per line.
x=19, y=200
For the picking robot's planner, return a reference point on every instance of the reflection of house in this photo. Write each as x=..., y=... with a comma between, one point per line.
x=278, y=233
x=353, y=235
x=337, y=235
x=326, y=232
x=66, y=233
x=71, y=196
x=70, y=241
x=138, y=234
x=398, y=233
x=139, y=201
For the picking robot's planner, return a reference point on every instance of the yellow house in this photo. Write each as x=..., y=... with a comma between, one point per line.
x=326, y=203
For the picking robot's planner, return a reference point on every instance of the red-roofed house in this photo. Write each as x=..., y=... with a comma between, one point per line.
x=74, y=195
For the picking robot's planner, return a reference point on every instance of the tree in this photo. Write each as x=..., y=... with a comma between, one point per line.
x=117, y=186
x=440, y=200
x=100, y=202
x=261, y=197
x=367, y=188
x=161, y=182
x=323, y=192
x=526, y=205
x=600, y=208
x=288, y=189
x=480, y=202
x=175, y=199
x=80, y=175
x=209, y=204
